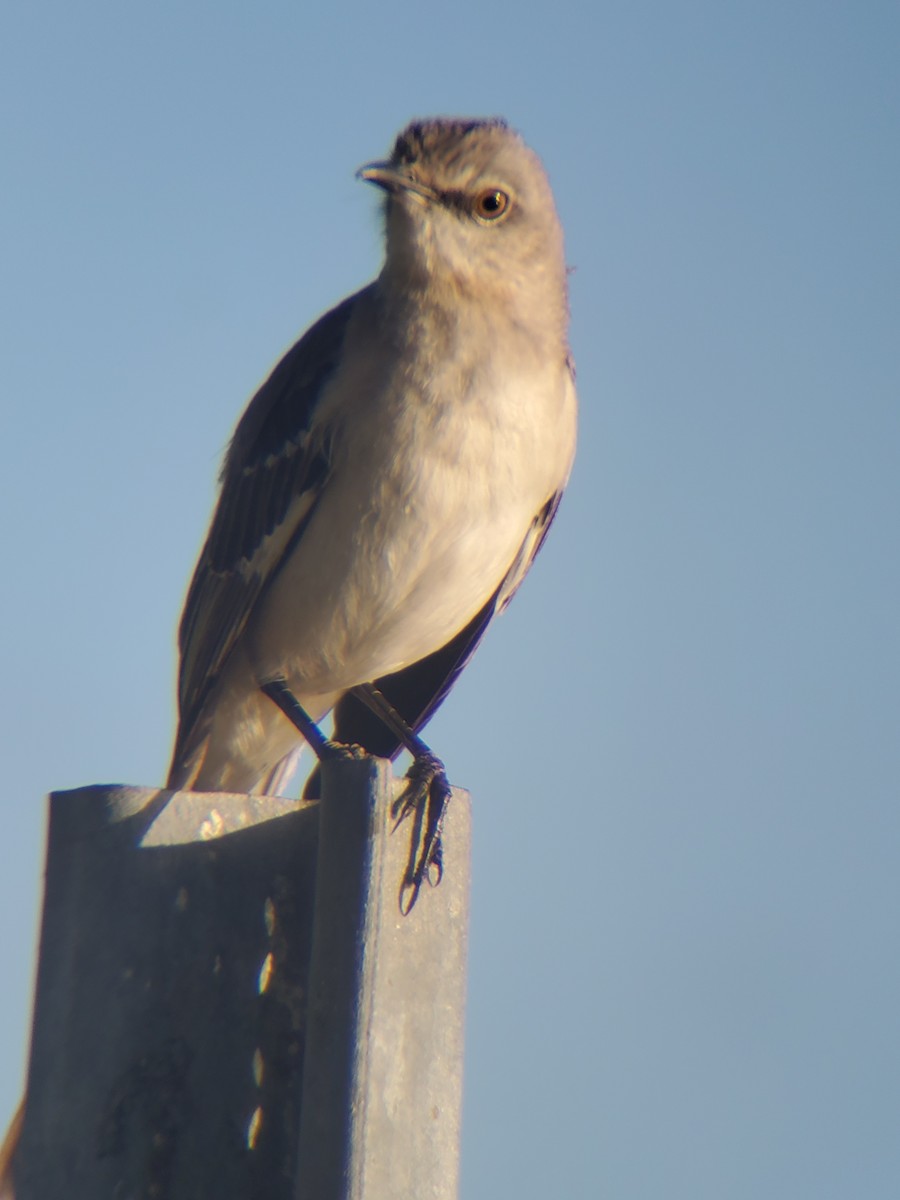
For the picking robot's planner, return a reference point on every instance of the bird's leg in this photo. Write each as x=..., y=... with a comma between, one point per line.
x=427, y=794
x=278, y=691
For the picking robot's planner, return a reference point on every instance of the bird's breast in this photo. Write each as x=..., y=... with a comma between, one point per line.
x=433, y=488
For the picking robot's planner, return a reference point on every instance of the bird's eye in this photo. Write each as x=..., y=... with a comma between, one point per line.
x=491, y=204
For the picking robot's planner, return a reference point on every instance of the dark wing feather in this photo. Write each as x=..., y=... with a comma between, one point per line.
x=274, y=470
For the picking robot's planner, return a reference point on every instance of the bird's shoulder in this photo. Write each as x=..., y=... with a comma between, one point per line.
x=273, y=452
x=282, y=410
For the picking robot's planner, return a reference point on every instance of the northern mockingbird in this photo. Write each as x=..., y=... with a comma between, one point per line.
x=388, y=487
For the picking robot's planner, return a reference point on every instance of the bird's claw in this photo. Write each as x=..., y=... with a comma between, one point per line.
x=342, y=750
x=425, y=796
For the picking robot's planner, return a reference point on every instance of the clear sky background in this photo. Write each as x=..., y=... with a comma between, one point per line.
x=682, y=740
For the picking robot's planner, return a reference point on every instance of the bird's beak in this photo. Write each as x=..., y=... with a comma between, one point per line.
x=393, y=178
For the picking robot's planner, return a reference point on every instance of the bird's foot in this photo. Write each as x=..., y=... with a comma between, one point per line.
x=425, y=797
x=340, y=750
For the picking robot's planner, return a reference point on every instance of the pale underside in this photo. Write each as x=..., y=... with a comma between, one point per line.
x=371, y=586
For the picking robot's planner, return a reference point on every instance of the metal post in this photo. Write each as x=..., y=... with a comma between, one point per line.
x=175, y=1000
x=382, y=1085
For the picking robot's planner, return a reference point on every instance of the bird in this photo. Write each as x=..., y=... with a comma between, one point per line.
x=389, y=485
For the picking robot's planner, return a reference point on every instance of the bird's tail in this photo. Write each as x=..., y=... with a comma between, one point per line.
x=277, y=781
x=185, y=771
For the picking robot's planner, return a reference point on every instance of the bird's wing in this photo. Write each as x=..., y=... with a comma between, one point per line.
x=417, y=691
x=274, y=473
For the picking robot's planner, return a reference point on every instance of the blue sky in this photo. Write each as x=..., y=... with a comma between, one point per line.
x=682, y=739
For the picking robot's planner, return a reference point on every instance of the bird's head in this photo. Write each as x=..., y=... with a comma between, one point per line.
x=469, y=210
